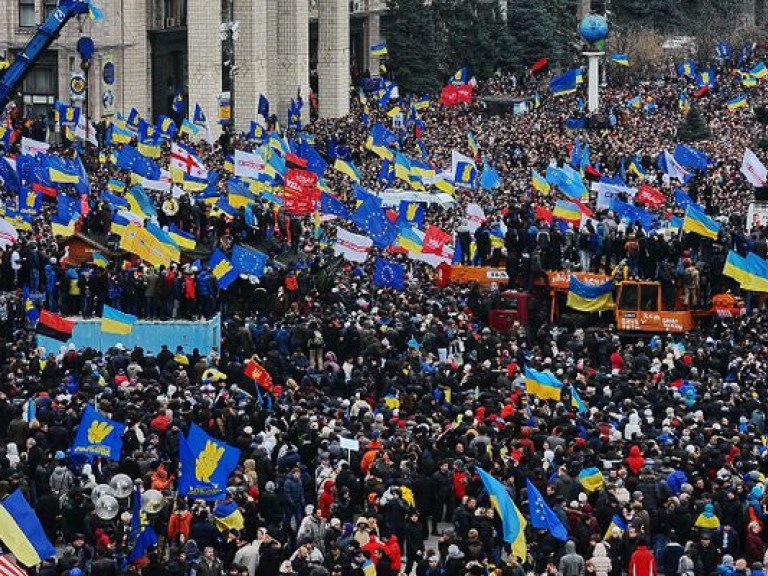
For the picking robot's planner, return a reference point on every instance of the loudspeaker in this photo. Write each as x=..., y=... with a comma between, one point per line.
x=761, y=193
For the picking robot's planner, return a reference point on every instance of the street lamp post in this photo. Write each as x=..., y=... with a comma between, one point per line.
x=113, y=499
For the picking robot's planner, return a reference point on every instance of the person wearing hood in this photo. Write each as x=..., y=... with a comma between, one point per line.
x=312, y=527
x=600, y=560
x=635, y=461
x=62, y=480
x=571, y=563
x=454, y=561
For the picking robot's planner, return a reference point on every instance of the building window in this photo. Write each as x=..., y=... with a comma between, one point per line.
x=49, y=6
x=27, y=13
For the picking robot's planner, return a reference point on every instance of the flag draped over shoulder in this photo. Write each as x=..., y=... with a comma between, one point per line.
x=98, y=436
x=590, y=298
x=512, y=521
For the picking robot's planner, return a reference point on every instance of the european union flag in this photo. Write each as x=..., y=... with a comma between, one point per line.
x=98, y=436
x=141, y=536
x=130, y=159
x=542, y=516
x=382, y=136
x=263, y=107
x=205, y=465
x=635, y=214
x=682, y=199
x=68, y=208
x=9, y=176
x=690, y=157
x=372, y=221
x=315, y=162
x=249, y=261
x=329, y=204
x=388, y=274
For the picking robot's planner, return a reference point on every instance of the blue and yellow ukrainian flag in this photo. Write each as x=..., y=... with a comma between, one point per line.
x=422, y=103
x=149, y=149
x=759, y=71
x=621, y=59
x=758, y=269
x=616, y=522
x=119, y=132
x=115, y=185
x=512, y=521
x=115, y=322
x=567, y=211
x=749, y=82
x=576, y=402
x=165, y=240
x=379, y=149
x=100, y=260
x=635, y=167
x=472, y=142
x=140, y=203
x=735, y=103
x=736, y=267
x=227, y=516
x=347, y=168
x=379, y=49
x=119, y=224
x=587, y=298
x=591, y=479
x=185, y=240
x=62, y=227
x=402, y=167
x=22, y=532
x=542, y=385
x=539, y=183
x=635, y=102
x=421, y=169
x=698, y=222
x=409, y=240
x=189, y=129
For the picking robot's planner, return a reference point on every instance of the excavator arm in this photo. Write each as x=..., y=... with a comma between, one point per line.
x=45, y=35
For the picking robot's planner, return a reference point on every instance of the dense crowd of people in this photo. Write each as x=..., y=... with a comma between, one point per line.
x=674, y=424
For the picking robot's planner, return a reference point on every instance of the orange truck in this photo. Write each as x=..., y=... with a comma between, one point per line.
x=638, y=308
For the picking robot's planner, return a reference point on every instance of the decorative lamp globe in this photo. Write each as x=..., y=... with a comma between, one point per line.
x=122, y=485
x=152, y=501
x=107, y=507
x=99, y=491
x=593, y=28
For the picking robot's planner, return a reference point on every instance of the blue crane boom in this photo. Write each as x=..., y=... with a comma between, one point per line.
x=45, y=35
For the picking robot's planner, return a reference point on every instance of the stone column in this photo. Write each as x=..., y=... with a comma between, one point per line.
x=372, y=36
x=205, y=65
x=250, y=59
x=132, y=87
x=288, y=22
x=333, y=58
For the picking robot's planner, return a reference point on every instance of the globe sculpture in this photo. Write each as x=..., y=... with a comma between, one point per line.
x=593, y=28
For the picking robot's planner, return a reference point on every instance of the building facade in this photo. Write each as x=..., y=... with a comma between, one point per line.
x=148, y=50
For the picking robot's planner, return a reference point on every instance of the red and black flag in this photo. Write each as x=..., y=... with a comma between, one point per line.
x=54, y=326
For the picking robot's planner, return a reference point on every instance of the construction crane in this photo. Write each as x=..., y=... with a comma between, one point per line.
x=39, y=43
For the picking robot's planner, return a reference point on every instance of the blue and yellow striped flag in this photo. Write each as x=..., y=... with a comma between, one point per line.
x=347, y=168
x=379, y=49
x=542, y=385
x=539, y=183
x=588, y=298
x=513, y=523
x=114, y=321
x=738, y=102
x=621, y=59
x=698, y=222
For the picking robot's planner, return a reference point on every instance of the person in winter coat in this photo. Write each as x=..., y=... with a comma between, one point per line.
x=643, y=562
x=454, y=561
x=326, y=499
x=293, y=499
x=635, y=460
x=313, y=528
x=413, y=543
x=571, y=563
x=600, y=560
x=754, y=546
x=62, y=480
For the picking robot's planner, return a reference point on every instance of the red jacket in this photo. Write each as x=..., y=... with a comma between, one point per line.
x=643, y=563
